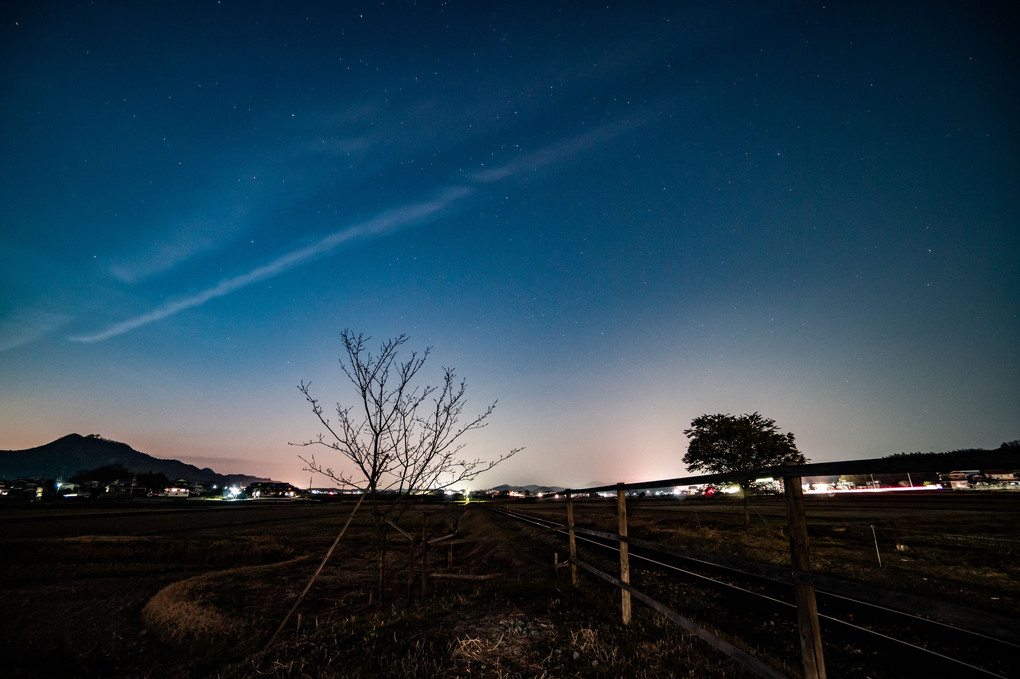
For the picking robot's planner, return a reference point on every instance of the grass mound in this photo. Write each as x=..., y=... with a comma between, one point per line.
x=233, y=606
x=180, y=613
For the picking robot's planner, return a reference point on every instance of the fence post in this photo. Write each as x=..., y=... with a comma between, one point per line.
x=573, y=543
x=807, y=607
x=621, y=504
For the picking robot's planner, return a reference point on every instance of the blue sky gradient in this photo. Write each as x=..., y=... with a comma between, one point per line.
x=610, y=219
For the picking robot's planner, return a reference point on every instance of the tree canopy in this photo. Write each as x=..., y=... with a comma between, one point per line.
x=727, y=443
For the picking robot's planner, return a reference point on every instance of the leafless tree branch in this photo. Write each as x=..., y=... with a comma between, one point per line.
x=402, y=439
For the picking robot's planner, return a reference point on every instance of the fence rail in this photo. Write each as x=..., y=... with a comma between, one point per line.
x=991, y=624
x=959, y=619
x=746, y=659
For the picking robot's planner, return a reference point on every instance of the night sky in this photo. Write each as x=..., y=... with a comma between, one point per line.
x=610, y=218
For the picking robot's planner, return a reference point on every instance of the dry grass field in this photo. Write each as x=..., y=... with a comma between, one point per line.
x=199, y=603
x=203, y=601
x=960, y=547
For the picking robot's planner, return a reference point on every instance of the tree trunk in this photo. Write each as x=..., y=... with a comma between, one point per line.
x=746, y=490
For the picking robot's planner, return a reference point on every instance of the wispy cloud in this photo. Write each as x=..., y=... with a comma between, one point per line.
x=163, y=257
x=387, y=222
x=27, y=325
x=553, y=153
x=198, y=223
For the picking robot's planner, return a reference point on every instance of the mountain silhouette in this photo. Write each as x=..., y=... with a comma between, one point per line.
x=73, y=453
x=532, y=488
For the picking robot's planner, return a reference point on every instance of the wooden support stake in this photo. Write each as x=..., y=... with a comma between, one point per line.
x=382, y=566
x=573, y=542
x=410, y=567
x=424, y=553
x=316, y=574
x=807, y=607
x=621, y=504
x=874, y=536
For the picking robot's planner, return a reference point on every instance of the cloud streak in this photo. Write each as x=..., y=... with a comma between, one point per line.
x=164, y=257
x=553, y=153
x=23, y=327
x=383, y=224
x=386, y=223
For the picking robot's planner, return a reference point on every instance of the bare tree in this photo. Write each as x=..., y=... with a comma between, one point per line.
x=402, y=439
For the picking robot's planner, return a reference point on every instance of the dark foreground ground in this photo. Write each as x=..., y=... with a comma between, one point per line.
x=191, y=599
x=160, y=591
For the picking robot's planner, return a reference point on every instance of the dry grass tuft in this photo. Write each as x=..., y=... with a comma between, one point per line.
x=588, y=642
x=179, y=613
x=192, y=610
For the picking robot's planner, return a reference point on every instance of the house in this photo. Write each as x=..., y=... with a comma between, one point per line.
x=1002, y=478
x=179, y=488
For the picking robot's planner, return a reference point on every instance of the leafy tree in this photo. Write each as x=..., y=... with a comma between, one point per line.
x=105, y=474
x=401, y=439
x=157, y=482
x=726, y=443
x=154, y=481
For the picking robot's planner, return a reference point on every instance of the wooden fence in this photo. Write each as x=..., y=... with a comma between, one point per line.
x=807, y=609
x=800, y=575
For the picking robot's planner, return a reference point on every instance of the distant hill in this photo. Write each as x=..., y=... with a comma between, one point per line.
x=73, y=453
x=531, y=489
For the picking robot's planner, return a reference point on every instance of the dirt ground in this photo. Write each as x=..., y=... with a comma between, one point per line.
x=204, y=601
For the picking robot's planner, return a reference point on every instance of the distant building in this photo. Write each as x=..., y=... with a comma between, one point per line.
x=1002, y=477
x=264, y=490
x=24, y=490
x=179, y=488
x=991, y=479
x=126, y=488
